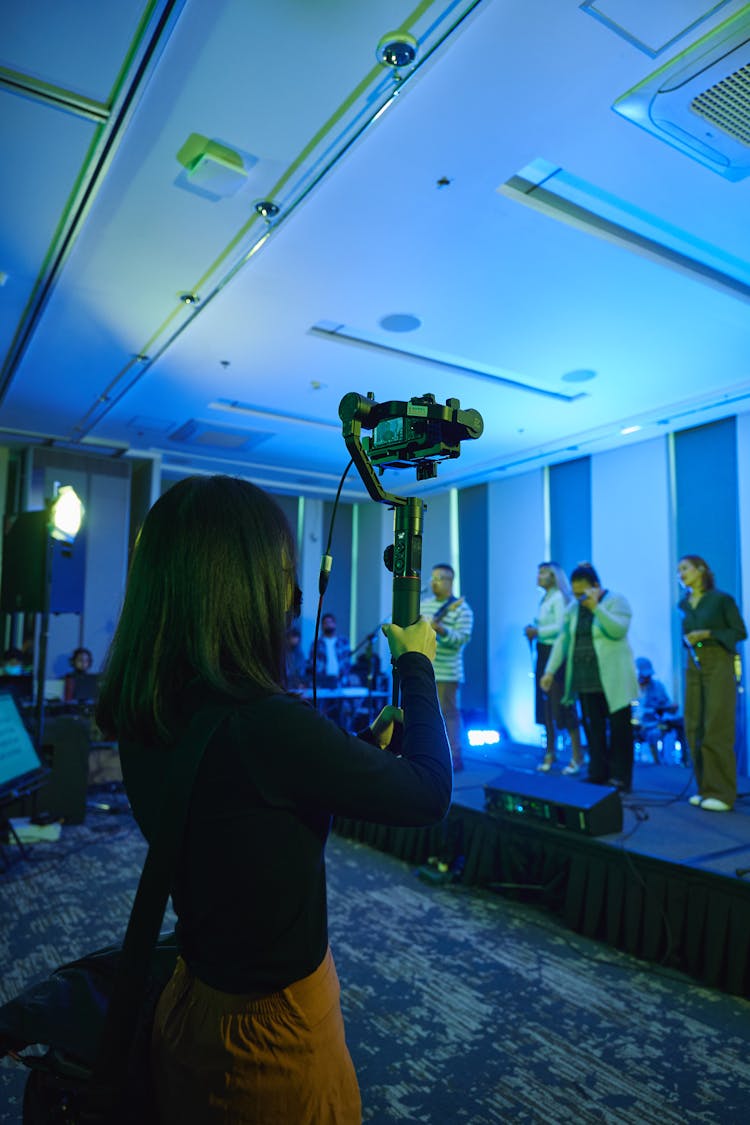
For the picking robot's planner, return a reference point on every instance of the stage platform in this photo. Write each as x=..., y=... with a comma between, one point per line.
x=673, y=887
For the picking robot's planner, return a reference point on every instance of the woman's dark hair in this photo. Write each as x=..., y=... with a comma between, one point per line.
x=585, y=572
x=707, y=575
x=210, y=587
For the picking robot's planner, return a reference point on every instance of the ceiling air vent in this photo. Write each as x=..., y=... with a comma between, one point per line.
x=700, y=101
x=727, y=105
x=209, y=436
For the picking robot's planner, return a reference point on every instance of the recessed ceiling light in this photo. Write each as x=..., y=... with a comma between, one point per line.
x=629, y=430
x=400, y=322
x=188, y=298
x=580, y=375
x=397, y=49
x=266, y=208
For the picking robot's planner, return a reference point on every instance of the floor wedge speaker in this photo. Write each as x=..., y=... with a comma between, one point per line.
x=558, y=802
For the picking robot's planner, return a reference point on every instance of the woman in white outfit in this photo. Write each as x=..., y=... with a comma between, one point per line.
x=551, y=712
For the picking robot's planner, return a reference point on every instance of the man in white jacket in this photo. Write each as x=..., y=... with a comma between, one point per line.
x=600, y=671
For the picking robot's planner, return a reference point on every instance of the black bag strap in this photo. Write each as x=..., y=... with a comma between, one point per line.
x=151, y=897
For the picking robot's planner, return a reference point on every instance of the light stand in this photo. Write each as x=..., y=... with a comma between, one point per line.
x=64, y=516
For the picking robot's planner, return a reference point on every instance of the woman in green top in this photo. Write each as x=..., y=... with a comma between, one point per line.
x=711, y=628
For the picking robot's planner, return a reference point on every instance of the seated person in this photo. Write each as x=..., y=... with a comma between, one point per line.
x=16, y=675
x=296, y=665
x=80, y=684
x=13, y=662
x=653, y=710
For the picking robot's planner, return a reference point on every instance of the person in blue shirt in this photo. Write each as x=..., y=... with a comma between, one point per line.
x=654, y=705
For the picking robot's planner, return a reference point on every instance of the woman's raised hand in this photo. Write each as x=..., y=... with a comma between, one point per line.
x=419, y=637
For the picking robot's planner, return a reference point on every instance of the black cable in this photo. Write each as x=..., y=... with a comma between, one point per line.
x=641, y=816
x=664, y=804
x=325, y=570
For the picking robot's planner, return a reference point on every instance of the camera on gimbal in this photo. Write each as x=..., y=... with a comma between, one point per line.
x=419, y=432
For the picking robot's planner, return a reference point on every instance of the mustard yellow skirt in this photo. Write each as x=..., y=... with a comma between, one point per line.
x=279, y=1059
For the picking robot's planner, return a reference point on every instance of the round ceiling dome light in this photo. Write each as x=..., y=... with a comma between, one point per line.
x=400, y=322
x=580, y=375
x=397, y=49
x=266, y=208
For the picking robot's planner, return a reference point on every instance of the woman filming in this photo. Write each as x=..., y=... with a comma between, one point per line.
x=249, y=1029
x=711, y=628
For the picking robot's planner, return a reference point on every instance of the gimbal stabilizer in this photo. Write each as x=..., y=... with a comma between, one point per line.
x=419, y=432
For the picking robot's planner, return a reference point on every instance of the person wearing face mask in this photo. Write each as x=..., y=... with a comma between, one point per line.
x=711, y=627
x=13, y=662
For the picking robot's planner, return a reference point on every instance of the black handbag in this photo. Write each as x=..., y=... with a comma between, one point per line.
x=95, y=1014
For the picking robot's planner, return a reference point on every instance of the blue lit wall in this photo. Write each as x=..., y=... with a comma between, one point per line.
x=472, y=539
x=570, y=512
x=706, y=487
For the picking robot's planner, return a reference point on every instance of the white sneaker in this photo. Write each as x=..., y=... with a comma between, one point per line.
x=696, y=799
x=713, y=804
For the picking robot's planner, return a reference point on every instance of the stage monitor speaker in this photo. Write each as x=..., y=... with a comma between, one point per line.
x=558, y=802
x=66, y=739
x=24, y=549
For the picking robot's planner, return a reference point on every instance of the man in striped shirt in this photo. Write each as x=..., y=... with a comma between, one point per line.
x=453, y=621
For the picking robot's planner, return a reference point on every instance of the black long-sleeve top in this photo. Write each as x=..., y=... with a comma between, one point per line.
x=250, y=893
x=717, y=612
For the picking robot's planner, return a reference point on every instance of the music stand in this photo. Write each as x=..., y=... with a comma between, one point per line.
x=21, y=769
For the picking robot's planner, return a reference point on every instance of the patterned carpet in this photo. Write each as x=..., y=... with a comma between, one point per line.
x=461, y=1006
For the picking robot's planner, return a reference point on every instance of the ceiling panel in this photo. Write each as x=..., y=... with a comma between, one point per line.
x=78, y=46
x=398, y=215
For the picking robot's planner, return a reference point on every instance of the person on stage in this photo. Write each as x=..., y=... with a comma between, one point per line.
x=453, y=621
x=711, y=628
x=550, y=711
x=249, y=1029
x=601, y=672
